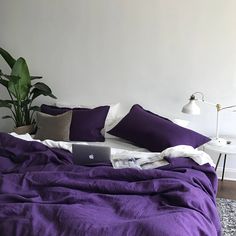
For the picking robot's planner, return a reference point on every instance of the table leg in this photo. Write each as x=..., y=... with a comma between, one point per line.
x=218, y=160
x=223, y=168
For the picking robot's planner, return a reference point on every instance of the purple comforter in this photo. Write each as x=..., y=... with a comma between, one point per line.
x=43, y=193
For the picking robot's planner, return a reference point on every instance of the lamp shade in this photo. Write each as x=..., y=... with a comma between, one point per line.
x=191, y=108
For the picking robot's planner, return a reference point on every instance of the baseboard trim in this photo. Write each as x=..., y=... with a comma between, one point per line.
x=230, y=173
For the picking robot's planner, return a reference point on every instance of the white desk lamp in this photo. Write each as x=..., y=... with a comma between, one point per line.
x=194, y=109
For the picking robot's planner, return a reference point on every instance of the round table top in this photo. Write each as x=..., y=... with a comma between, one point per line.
x=226, y=149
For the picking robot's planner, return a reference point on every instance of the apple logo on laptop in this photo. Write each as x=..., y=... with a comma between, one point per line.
x=91, y=157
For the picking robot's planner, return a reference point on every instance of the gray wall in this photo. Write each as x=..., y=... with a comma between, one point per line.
x=152, y=52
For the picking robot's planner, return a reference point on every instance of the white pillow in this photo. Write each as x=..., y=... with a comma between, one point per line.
x=112, y=115
x=64, y=104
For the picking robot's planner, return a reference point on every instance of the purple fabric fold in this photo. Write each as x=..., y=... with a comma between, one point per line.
x=43, y=193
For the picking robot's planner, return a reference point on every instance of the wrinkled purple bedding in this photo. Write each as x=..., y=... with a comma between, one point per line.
x=43, y=193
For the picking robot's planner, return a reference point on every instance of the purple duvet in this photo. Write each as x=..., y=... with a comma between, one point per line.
x=43, y=193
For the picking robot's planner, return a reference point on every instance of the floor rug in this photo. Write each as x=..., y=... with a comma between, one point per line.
x=227, y=210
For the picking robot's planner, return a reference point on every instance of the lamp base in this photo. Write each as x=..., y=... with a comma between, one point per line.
x=218, y=142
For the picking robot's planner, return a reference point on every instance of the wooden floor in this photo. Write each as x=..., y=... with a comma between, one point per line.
x=227, y=189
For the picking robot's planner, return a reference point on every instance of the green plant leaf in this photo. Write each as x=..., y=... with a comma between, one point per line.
x=5, y=103
x=7, y=117
x=4, y=82
x=36, y=92
x=52, y=96
x=41, y=89
x=7, y=57
x=35, y=77
x=11, y=77
x=35, y=108
x=9, y=101
x=25, y=103
x=20, y=87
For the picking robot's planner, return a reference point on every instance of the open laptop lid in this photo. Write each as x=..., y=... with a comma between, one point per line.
x=90, y=154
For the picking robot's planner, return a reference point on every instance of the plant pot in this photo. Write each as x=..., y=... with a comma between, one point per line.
x=24, y=129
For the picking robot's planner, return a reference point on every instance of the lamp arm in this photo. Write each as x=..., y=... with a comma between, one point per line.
x=209, y=103
x=223, y=108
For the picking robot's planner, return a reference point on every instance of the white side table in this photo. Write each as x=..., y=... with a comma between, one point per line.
x=222, y=150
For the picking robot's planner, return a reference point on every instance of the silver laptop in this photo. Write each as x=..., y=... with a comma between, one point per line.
x=90, y=154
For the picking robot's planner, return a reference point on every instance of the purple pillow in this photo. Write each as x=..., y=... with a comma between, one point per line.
x=86, y=124
x=154, y=132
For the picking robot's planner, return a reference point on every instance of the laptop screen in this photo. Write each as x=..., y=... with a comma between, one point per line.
x=90, y=154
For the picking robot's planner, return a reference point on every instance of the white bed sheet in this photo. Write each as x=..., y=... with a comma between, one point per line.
x=123, y=149
x=117, y=144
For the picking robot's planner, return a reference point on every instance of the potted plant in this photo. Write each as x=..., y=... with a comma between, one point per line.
x=22, y=93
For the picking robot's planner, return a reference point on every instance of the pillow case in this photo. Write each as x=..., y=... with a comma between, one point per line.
x=53, y=127
x=86, y=124
x=154, y=132
x=112, y=115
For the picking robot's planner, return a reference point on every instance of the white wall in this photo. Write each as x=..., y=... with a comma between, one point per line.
x=152, y=52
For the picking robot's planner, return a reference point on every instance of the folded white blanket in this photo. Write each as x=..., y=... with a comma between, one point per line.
x=198, y=156
x=148, y=160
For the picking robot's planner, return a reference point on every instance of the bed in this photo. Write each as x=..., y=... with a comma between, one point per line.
x=43, y=193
